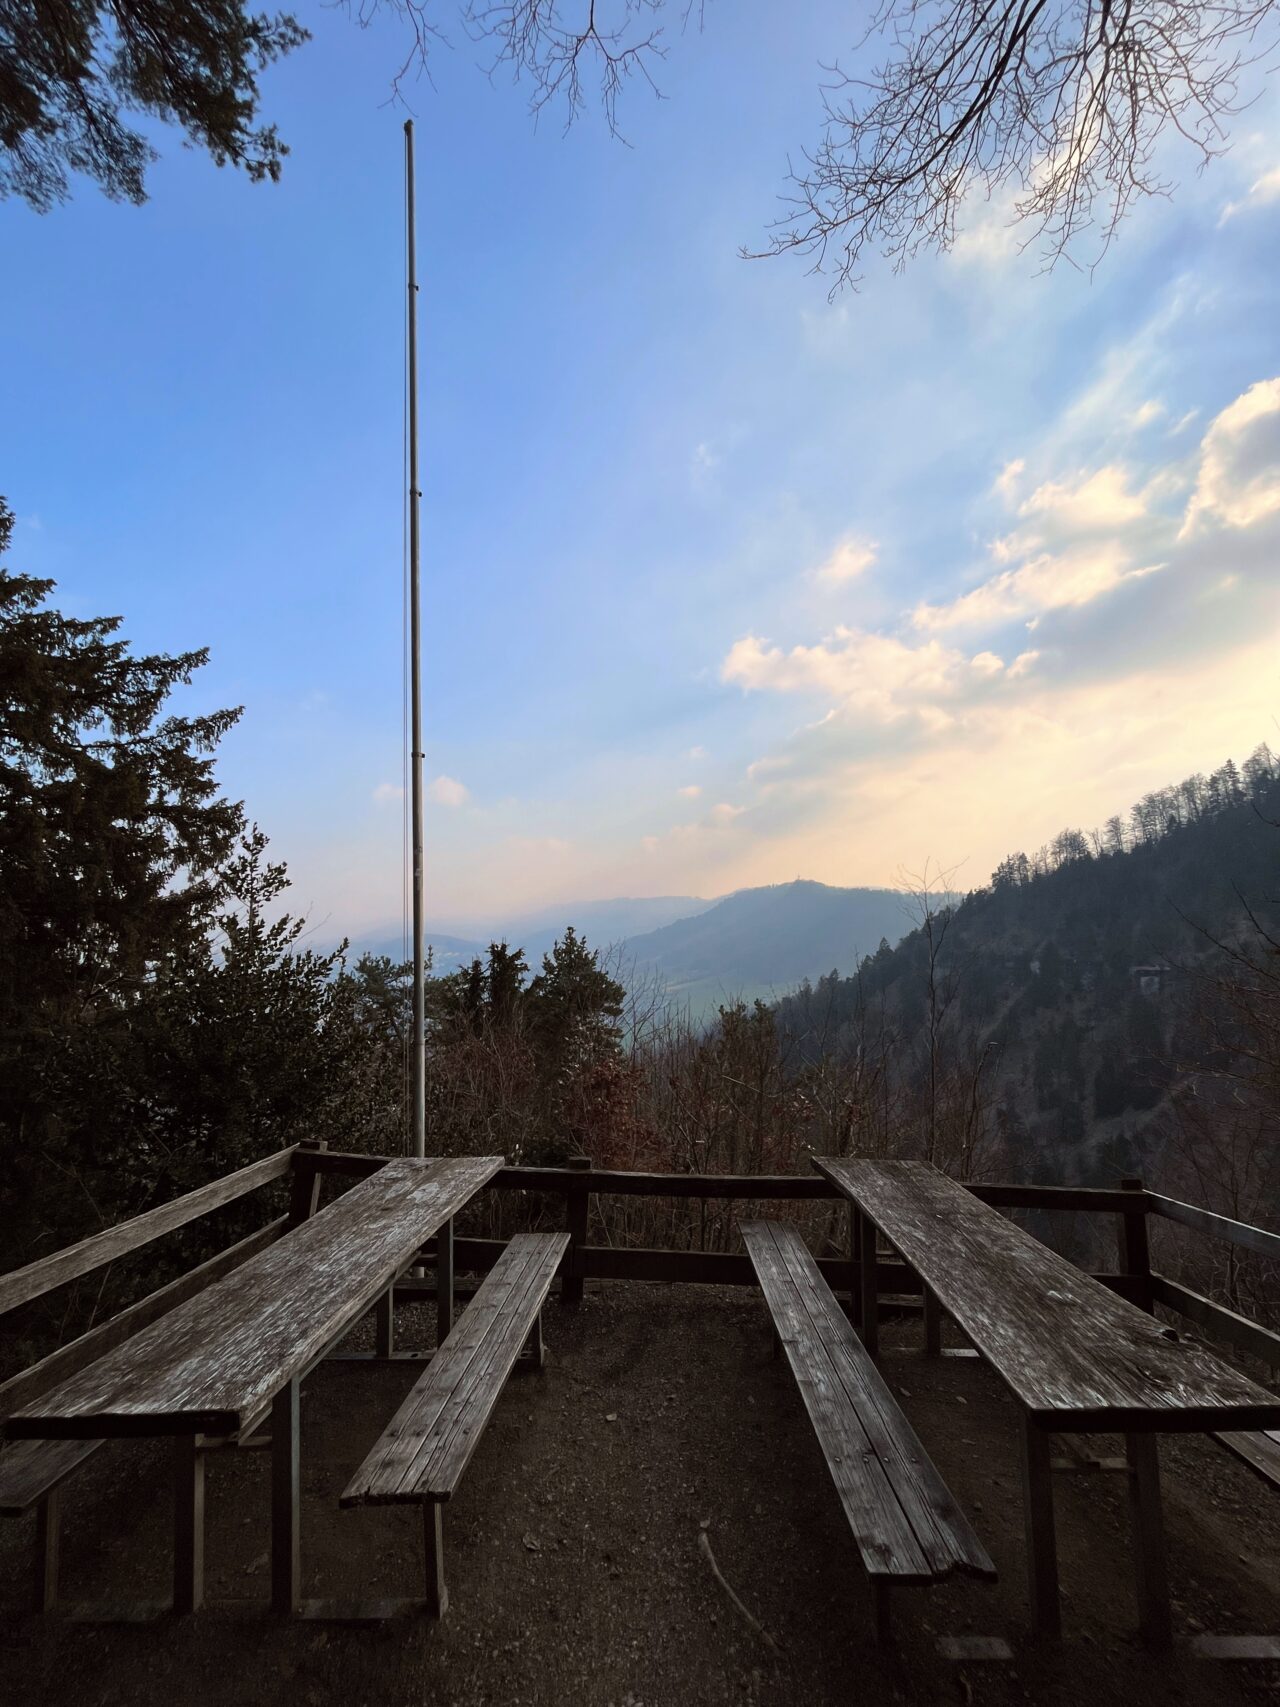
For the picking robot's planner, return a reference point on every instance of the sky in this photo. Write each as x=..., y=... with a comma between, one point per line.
x=725, y=582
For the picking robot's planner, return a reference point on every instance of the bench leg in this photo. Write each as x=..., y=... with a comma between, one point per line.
x=384, y=1324
x=48, y=1541
x=870, y=1311
x=884, y=1632
x=1042, y=1544
x=1148, y=1539
x=535, y=1344
x=188, y=1523
x=286, y=1548
x=444, y=1282
x=433, y=1535
x=932, y=1325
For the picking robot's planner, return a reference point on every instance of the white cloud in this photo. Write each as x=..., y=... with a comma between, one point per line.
x=690, y=791
x=1006, y=482
x=1263, y=190
x=697, y=753
x=448, y=791
x=986, y=663
x=877, y=673
x=1078, y=539
x=388, y=793
x=852, y=557
x=724, y=813
x=1239, y=478
x=1049, y=581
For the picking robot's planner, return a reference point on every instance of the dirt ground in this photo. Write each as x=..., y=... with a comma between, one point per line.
x=573, y=1558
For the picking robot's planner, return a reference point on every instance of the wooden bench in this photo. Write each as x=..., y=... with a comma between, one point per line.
x=908, y=1527
x=421, y=1455
x=209, y=1369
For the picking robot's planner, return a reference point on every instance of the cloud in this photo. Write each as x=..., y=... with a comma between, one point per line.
x=690, y=791
x=387, y=794
x=877, y=673
x=1128, y=585
x=1080, y=537
x=852, y=557
x=1049, y=581
x=447, y=791
x=1263, y=190
x=1239, y=477
x=697, y=753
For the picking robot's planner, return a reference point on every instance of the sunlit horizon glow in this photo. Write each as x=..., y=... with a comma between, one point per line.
x=726, y=583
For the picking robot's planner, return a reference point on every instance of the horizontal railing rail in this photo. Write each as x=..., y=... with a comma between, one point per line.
x=22, y=1285
x=1239, y=1233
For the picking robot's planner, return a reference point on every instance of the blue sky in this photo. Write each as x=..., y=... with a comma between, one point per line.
x=725, y=583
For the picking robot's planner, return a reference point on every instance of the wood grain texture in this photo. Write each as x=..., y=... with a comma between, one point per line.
x=21, y=1285
x=427, y=1445
x=1074, y=1353
x=905, y=1521
x=211, y=1364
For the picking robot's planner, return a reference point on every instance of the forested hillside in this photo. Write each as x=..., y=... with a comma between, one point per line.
x=1103, y=1004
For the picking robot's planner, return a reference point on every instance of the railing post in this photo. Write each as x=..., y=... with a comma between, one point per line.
x=1135, y=1250
x=304, y=1197
x=578, y=1203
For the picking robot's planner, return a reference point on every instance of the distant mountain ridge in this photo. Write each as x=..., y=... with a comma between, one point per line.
x=754, y=942
x=763, y=942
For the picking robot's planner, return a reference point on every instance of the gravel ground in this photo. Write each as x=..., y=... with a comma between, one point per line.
x=573, y=1551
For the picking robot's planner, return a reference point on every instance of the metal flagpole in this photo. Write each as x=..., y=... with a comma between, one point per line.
x=418, y=1130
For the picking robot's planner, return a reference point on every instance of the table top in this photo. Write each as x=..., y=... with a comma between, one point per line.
x=213, y=1363
x=1075, y=1353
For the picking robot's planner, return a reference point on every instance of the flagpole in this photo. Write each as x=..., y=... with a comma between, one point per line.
x=418, y=1131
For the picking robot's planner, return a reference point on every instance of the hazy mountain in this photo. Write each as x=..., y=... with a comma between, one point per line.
x=763, y=942
x=602, y=923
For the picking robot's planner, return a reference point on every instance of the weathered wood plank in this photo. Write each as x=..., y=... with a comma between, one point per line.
x=21, y=1285
x=427, y=1445
x=1073, y=1352
x=905, y=1521
x=214, y=1362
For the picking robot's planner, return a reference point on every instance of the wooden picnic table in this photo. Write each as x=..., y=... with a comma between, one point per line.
x=213, y=1366
x=1076, y=1356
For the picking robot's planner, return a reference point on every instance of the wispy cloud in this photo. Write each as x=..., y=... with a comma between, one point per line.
x=448, y=791
x=852, y=557
x=1263, y=190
